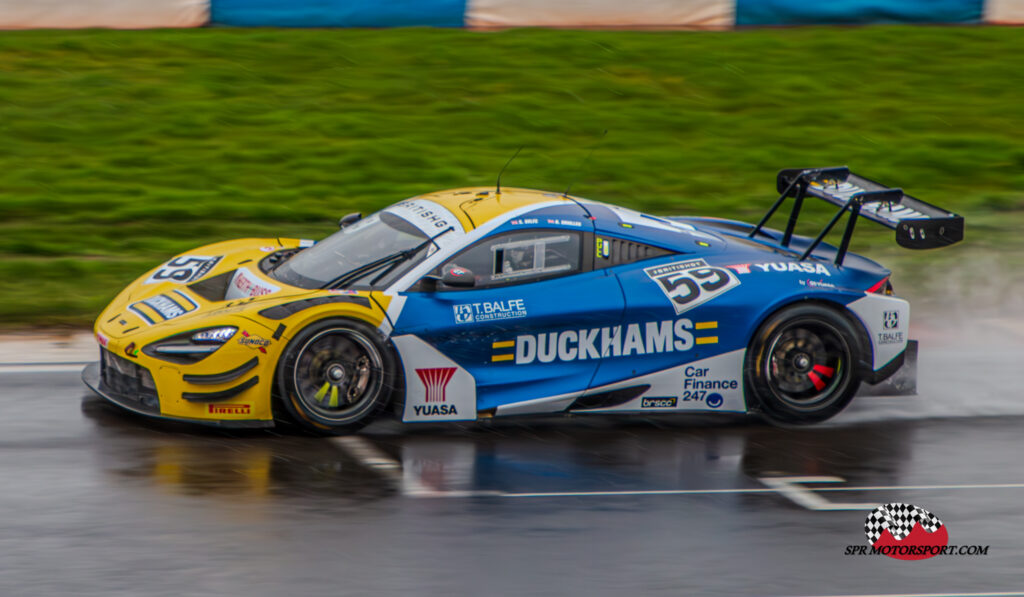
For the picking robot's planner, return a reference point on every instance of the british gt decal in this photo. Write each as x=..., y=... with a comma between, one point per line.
x=688, y=284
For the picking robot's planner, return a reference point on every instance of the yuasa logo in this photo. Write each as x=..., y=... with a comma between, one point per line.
x=435, y=382
x=782, y=266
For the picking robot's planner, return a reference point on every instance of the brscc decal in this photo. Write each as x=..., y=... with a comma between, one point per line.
x=659, y=402
x=691, y=283
x=490, y=311
x=183, y=270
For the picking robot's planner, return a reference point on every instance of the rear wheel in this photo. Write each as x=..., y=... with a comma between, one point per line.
x=801, y=365
x=336, y=376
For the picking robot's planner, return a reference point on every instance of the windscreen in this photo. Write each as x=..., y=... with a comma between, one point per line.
x=356, y=245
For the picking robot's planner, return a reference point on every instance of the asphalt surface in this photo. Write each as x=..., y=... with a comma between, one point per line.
x=96, y=502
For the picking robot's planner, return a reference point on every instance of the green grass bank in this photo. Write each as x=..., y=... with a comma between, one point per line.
x=119, y=149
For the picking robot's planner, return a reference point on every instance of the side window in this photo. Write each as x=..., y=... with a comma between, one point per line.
x=610, y=251
x=519, y=257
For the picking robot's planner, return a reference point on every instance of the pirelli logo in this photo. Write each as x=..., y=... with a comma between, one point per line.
x=651, y=337
x=229, y=409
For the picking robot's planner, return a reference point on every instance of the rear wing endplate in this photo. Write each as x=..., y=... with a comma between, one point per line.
x=918, y=225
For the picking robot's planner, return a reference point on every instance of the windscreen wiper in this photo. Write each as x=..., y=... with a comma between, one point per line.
x=393, y=259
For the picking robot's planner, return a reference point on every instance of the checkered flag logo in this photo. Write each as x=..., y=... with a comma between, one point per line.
x=899, y=519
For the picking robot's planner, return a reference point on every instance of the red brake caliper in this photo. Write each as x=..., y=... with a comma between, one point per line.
x=819, y=384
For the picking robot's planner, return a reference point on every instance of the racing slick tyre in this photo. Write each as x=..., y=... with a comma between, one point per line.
x=336, y=376
x=802, y=365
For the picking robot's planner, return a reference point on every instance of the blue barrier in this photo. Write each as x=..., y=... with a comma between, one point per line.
x=338, y=13
x=804, y=12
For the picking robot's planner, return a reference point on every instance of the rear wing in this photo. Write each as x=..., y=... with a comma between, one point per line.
x=918, y=225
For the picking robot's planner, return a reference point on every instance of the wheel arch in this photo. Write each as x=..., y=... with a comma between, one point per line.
x=864, y=347
x=325, y=318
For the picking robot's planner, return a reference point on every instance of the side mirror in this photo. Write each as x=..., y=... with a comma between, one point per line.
x=350, y=219
x=458, y=277
x=454, y=276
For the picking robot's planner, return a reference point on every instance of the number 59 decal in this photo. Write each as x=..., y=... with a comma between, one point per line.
x=184, y=269
x=691, y=283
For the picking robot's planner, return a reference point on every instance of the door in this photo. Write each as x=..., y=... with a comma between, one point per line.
x=529, y=329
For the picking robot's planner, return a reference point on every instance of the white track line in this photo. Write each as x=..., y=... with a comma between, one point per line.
x=363, y=451
x=760, y=490
x=72, y=367
x=997, y=594
x=372, y=458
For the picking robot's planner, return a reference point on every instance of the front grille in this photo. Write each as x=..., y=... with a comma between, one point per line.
x=129, y=381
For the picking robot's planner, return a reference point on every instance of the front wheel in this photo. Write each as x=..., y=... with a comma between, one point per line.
x=336, y=376
x=801, y=365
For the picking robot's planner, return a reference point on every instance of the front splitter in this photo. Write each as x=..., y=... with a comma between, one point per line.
x=91, y=377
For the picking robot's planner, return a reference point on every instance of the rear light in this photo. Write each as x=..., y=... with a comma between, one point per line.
x=883, y=286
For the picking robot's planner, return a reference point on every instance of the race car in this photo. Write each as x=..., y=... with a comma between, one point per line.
x=475, y=303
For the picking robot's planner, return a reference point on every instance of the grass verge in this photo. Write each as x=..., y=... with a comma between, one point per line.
x=118, y=149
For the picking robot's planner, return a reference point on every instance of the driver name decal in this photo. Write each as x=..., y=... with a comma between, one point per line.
x=688, y=284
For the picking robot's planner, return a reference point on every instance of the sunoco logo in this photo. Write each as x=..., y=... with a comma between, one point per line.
x=909, y=532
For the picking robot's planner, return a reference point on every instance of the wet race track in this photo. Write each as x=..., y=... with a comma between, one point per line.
x=96, y=502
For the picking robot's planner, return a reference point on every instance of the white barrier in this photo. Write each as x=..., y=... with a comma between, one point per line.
x=1005, y=12
x=600, y=13
x=114, y=14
